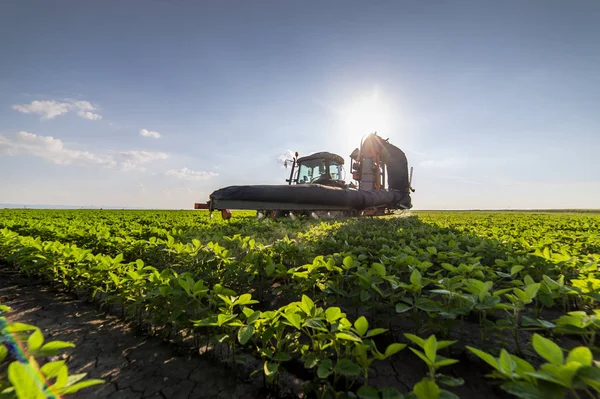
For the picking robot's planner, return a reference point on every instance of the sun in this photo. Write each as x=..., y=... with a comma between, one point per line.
x=364, y=114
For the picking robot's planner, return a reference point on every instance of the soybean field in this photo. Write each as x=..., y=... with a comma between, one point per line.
x=419, y=305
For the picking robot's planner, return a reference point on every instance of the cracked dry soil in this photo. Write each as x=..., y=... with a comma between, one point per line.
x=133, y=366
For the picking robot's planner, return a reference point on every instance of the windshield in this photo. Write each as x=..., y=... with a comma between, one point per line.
x=313, y=170
x=310, y=171
x=336, y=172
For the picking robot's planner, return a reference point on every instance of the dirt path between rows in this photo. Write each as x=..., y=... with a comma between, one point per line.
x=133, y=366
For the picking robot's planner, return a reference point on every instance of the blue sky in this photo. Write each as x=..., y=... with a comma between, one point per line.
x=157, y=103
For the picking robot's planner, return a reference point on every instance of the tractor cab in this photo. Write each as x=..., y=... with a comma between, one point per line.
x=319, y=168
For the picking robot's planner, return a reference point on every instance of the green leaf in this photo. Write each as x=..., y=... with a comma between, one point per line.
x=348, y=262
x=375, y=331
x=415, y=278
x=390, y=393
x=529, y=322
x=62, y=377
x=307, y=304
x=430, y=348
x=426, y=389
x=442, y=292
x=348, y=337
x=316, y=324
x=347, y=368
x=570, y=320
x=253, y=317
x=551, y=283
x=226, y=299
x=245, y=333
x=81, y=385
x=218, y=288
x=310, y=359
x=378, y=269
x=522, y=366
x=547, y=349
x=427, y=304
x=208, y=322
x=394, y=348
x=324, y=369
x=417, y=340
x=422, y=356
x=53, y=348
x=365, y=295
x=522, y=389
x=582, y=355
x=447, y=395
x=23, y=382
x=444, y=362
x=516, y=269
x=282, y=357
x=507, y=365
x=361, y=325
x=486, y=357
x=532, y=290
x=20, y=327
x=366, y=392
x=563, y=373
x=444, y=344
x=449, y=381
x=3, y=352
x=332, y=314
x=115, y=279
x=223, y=319
x=35, y=341
x=75, y=378
x=270, y=368
x=544, y=376
x=294, y=319
x=432, y=250
x=401, y=307
x=245, y=299
x=266, y=352
x=591, y=376
x=50, y=370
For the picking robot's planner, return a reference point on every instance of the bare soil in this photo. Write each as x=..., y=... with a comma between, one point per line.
x=133, y=366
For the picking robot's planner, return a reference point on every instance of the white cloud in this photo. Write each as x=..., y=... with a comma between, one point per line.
x=53, y=150
x=50, y=109
x=190, y=175
x=133, y=159
x=284, y=157
x=89, y=115
x=48, y=148
x=149, y=133
x=83, y=105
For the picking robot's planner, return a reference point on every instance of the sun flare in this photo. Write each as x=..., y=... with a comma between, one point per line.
x=363, y=115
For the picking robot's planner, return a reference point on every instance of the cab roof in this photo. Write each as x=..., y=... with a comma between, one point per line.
x=322, y=155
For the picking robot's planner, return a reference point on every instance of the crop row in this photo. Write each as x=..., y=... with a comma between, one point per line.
x=427, y=278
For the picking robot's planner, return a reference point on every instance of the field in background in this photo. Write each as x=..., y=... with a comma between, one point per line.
x=425, y=304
